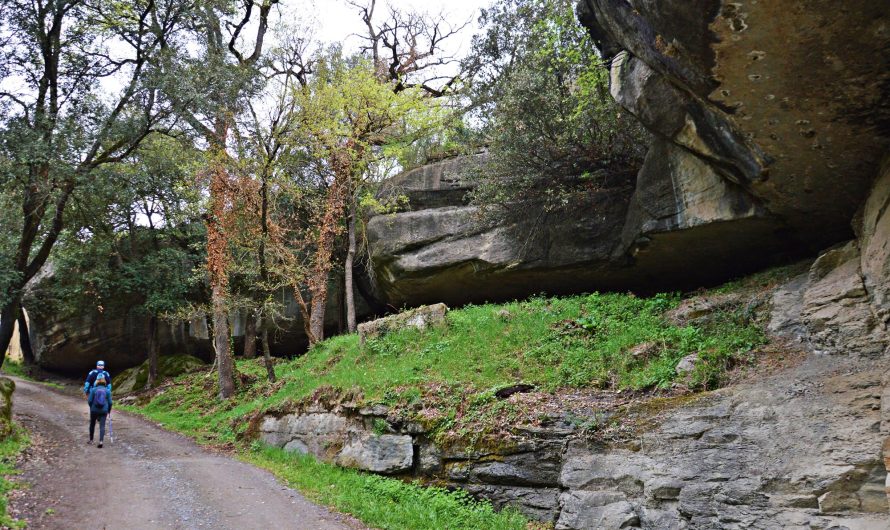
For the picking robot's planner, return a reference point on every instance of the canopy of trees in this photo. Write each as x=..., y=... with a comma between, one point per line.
x=196, y=157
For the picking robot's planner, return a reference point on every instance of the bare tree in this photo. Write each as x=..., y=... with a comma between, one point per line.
x=406, y=47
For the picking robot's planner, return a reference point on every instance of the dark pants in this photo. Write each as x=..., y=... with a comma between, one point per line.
x=94, y=416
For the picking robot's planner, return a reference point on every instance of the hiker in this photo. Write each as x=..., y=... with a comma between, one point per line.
x=99, y=399
x=91, y=378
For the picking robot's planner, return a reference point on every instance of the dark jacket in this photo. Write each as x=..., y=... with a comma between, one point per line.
x=95, y=408
x=91, y=380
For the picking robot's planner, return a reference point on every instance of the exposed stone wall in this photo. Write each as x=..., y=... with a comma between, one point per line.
x=798, y=449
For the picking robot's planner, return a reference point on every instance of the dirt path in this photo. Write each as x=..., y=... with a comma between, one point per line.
x=148, y=478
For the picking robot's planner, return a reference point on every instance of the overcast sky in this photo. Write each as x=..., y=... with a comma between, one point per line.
x=336, y=20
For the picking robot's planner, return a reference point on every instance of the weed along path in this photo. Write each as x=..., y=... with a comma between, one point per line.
x=148, y=478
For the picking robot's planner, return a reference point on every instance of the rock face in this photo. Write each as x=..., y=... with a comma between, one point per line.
x=135, y=378
x=419, y=318
x=794, y=114
x=443, y=250
x=72, y=343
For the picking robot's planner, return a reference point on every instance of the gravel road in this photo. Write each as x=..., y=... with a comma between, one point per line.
x=148, y=478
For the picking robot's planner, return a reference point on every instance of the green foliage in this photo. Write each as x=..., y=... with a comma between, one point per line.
x=10, y=448
x=18, y=369
x=346, y=109
x=115, y=262
x=542, y=92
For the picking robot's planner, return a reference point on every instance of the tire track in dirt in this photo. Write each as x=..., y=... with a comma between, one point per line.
x=148, y=478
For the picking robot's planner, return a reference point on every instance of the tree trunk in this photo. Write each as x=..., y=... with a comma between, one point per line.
x=221, y=345
x=341, y=305
x=321, y=270
x=218, y=258
x=250, y=335
x=25, y=338
x=347, y=270
x=267, y=355
x=152, y=352
x=8, y=316
x=318, y=304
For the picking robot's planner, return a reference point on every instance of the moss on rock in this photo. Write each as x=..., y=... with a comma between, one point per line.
x=7, y=387
x=136, y=378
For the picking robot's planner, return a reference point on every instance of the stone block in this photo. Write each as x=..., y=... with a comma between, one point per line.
x=419, y=318
x=595, y=509
x=387, y=453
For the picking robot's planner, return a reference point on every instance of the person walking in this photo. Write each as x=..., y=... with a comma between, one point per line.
x=99, y=399
x=91, y=378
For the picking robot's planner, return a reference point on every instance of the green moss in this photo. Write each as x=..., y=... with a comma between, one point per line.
x=134, y=379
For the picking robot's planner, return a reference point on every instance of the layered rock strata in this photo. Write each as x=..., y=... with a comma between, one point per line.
x=660, y=234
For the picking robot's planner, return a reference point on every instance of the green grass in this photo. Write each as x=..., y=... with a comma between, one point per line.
x=554, y=343
x=18, y=369
x=446, y=378
x=10, y=447
x=379, y=501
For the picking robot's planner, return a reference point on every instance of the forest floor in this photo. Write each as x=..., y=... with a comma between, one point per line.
x=147, y=478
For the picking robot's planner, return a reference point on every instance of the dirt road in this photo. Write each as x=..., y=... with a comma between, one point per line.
x=148, y=478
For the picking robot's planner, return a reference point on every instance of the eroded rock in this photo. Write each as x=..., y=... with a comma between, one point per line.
x=419, y=318
x=595, y=509
x=385, y=453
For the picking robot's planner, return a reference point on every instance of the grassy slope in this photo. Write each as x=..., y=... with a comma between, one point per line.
x=18, y=369
x=446, y=377
x=10, y=447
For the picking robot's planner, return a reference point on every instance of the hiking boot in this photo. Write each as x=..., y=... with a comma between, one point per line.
x=100, y=445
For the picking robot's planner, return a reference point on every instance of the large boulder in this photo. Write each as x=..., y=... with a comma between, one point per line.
x=663, y=234
x=135, y=378
x=71, y=340
x=419, y=318
x=794, y=113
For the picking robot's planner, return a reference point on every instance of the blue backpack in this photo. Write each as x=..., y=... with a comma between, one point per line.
x=100, y=398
